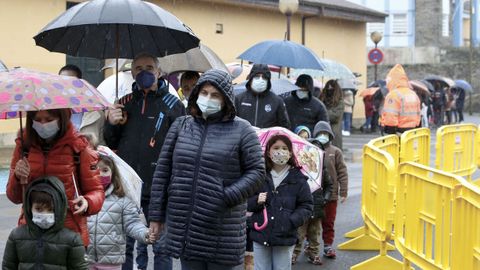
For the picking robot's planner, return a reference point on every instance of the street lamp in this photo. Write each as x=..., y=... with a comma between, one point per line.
x=288, y=7
x=376, y=37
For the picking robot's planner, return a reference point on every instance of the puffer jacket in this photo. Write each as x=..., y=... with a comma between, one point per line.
x=59, y=161
x=206, y=171
x=57, y=248
x=262, y=110
x=140, y=139
x=108, y=229
x=288, y=207
x=306, y=112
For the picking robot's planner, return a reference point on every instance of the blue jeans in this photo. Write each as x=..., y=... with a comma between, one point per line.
x=161, y=261
x=347, y=121
x=200, y=265
x=272, y=258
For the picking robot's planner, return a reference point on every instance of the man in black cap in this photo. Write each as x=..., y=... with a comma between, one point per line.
x=258, y=105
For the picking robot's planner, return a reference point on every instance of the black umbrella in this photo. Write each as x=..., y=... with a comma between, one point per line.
x=445, y=82
x=116, y=29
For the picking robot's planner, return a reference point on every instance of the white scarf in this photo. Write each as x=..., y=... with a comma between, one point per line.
x=280, y=176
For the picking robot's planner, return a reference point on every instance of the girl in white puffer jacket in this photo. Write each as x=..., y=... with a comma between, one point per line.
x=118, y=219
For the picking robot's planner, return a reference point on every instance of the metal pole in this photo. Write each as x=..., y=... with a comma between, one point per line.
x=288, y=25
x=470, y=58
x=375, y=67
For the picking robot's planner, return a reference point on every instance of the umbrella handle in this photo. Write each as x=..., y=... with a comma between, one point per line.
x=265, y=221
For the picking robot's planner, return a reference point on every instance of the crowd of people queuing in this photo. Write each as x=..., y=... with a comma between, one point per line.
x=206, y=178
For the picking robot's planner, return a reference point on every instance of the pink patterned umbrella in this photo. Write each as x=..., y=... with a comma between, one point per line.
x=308, y=156
x=24, y=90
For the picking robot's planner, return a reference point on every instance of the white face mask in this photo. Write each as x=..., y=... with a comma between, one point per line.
x=43, y=220
x=280, y=157
x=323, y=138
x=208, y=106
x=47, y=130
x=259, y=85
x=301, y=94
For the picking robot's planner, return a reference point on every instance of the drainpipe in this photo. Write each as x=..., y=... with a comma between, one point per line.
x=304, y=20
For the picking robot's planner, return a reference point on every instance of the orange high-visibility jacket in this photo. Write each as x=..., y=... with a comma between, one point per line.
x=401, y=109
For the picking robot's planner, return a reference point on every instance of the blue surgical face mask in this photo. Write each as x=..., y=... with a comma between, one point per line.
x=323, y=138
x=259, y=85
x=145, y=79
x=208, y=106
x=46, y=130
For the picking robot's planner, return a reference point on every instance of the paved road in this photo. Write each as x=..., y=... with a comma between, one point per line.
x=348, y=215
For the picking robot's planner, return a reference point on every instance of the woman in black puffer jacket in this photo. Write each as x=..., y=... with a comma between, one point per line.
x=287, y=198
x=210, y=164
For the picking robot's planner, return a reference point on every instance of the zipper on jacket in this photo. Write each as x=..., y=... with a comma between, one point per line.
x=194, y=188
x=144, y=105
x=256, y=111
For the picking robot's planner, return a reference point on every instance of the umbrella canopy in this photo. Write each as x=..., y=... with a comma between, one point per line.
x=279, y=87
x=27, y=90
x=378, y=83
x=463, y=85
x=282, y=53
x=3, y=67
x=419, y=87
x=198, y=59
x=116, y=29
x=333, y=70
x=240, y=72
x=308, y=156
x=368, y=91
x=443, y=80
x=430, y=86
x=348, y=84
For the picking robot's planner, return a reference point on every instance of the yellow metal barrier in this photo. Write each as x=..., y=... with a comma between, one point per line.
x=455, y=149
x=379, y=179
x=389, y=144
x=423, y=216
x=415, y=146
x=466, y=228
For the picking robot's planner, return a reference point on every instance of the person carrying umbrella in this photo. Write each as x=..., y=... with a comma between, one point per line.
x=136, y=128
x=401, y=110
x=302, y=107
x=258, y=105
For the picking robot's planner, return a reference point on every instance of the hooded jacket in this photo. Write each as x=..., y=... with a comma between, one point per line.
x=109, y=228
x=264, y=109
x=206, y=171
x=56, y=248
x=288, y=207
x=59, y=161
x=140, y=139
x=306, y=112
x=401, y=110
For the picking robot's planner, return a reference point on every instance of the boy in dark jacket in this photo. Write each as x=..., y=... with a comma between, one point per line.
x=337, y=170
x=311, y=229
x=44, y=243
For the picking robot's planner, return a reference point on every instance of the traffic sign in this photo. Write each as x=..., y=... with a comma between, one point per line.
x=375, y=56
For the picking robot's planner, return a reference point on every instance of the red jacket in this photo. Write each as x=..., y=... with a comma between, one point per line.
x=59, y=162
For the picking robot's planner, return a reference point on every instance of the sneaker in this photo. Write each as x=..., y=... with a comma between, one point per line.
x=329, y=252
x=347, y=133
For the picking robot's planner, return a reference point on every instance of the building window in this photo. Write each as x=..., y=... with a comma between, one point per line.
x=219, y=28
x=445, y=25
x=399, y=24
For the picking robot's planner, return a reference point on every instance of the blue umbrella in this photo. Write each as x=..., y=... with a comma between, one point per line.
x=279, y=87
x=463, y=85
x=282, y=53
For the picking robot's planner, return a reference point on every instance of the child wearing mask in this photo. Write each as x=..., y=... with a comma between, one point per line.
x=43, y=242
x=288, y=202
x=303, y=132
x=118, y=218
x=337, y=170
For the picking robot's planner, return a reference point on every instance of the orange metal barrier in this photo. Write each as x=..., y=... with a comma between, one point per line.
x=423, y=215
x=378, y=191
x=415, y=146
x=455, y=149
